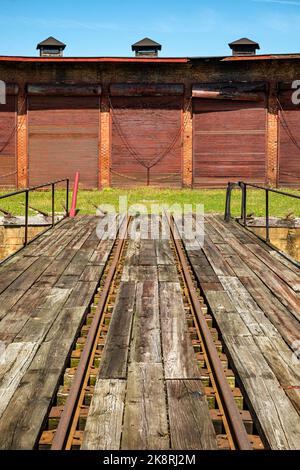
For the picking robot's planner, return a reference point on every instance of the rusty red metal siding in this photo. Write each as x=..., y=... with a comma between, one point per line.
x=289, y=140
x=63, y=138
x=8, y=136
x=146, y=131
x=229, y=142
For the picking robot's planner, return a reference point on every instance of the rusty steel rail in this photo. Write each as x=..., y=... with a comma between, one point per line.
x=238, y=434
x=67, y=424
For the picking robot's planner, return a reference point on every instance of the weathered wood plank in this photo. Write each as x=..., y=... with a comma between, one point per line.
x=163, y=252
x=82, y=294
x=145, y=343
x=15, y=360
x=191, y=427
x=277, y=417
x=287, y=275
x=43, y=316
x=145, y=417
x=138, y=273
x=283, y=320
x=104, y=423
x=278, y=287
x=20, y=313
x=167, y=273
x=179, y=358
x=147, y=255
x=114, y=361
x=24, y=415
x=92, y=273
x=218, y=263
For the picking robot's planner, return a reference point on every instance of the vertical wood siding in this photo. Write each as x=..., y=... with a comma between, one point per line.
x=8, y=121
x=289, y=153
x=63, y=138
x=148, y=126
x=229, y=142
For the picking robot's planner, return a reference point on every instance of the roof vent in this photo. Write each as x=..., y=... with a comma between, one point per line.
x=244, y=46
x=51, y=47
x=146, y=48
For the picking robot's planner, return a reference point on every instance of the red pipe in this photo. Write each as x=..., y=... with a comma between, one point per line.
x=74, y=197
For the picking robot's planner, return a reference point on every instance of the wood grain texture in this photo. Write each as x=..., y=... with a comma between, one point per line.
x=254, y=300
x=191, y=427
x=145, y=341
x=114, y=361
x=145, y=417
x=24, y=415
x=104, y=422
x=179, y=358
x=43, y=302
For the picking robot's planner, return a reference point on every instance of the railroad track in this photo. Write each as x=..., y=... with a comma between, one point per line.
x=233, y=423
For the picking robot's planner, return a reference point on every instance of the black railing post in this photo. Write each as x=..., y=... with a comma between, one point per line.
x=67, y=198
x=227, y=215
x=26, y=216
x=53, y=203
x=244, y=202
x=267, y=217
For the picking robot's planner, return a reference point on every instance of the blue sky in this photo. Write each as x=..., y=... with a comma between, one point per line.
x=184, y=28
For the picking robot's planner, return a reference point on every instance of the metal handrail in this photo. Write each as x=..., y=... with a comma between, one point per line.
x=26, y=191
x=243, y=186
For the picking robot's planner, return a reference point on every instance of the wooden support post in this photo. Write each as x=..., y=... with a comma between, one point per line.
x=272, y=137
x=22, y=139
x=187, y=140
x=105, y=141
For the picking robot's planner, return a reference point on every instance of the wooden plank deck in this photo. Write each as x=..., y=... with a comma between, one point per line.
x=161, y=370
x=45, y=291
x=253, y=294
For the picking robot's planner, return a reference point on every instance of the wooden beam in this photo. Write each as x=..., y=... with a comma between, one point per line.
x=63, y=89
x=146, y=89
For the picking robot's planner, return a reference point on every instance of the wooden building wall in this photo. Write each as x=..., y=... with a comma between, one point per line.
x=146, y=135
x=289, y=140
x=229, y=142
x=54, y=133
x=63, y=138
x=8, y=133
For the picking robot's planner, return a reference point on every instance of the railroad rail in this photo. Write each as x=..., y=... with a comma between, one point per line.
x=67, y=425
x=233, y=423
x=68, y=415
